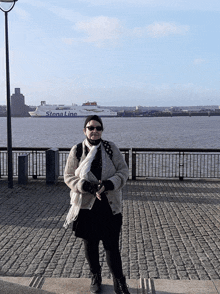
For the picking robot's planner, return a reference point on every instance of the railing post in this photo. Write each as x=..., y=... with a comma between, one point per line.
x=133, y=164
x=126, y=159
x=23, y=169
x=52, y=166
x=34, y=158
x=181, y=165
x=0, y=165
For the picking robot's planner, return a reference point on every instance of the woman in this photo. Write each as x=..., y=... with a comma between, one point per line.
x=100, y=218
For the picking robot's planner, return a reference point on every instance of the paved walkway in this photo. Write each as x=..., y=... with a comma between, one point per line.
x=171, y=231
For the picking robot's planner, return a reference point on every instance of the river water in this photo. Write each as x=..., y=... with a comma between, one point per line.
x=146, y=132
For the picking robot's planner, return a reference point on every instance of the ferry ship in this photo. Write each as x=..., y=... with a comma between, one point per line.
x=86, y=109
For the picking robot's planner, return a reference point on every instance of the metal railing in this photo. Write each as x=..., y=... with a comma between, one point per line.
x=175, y=163
x=142, y=162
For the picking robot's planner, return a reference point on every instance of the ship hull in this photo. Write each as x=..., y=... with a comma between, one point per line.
x=62, y=111
x=76, y=116
x=69, y=115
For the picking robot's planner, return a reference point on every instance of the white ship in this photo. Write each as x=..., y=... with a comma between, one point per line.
x=88, y=108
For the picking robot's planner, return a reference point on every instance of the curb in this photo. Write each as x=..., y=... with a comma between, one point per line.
x=41, y=285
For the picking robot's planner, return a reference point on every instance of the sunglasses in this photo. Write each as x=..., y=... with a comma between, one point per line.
x=98, y=128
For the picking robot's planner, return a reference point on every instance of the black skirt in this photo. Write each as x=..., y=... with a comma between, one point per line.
x=99, y=222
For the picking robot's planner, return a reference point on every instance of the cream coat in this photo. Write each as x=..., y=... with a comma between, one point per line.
x=115, y=170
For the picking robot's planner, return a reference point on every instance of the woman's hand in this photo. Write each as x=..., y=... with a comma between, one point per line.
x=90, y=187
x=101, y=189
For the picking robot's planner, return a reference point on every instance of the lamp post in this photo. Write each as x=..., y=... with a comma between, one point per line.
x=6, y=6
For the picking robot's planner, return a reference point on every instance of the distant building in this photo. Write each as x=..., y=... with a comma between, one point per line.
x=2, y=110
x=18, y=107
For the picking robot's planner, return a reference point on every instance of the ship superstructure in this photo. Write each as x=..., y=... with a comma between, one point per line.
x=61, y=110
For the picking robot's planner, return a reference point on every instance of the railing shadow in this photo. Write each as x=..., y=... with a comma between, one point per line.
x=166, y=193
x=42, y=206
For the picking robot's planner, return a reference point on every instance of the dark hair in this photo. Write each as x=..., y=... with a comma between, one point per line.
x=93, y=117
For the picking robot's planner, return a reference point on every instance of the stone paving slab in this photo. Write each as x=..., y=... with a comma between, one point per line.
x=171, y=230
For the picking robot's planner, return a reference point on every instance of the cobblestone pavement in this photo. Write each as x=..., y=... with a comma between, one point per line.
x=171, y=230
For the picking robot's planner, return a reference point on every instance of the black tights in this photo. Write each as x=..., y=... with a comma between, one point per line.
x=113, y=256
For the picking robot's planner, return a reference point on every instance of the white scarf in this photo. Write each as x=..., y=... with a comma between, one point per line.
x=85, y=165
x=81, y=172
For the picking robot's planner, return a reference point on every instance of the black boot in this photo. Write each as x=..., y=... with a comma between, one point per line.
x=96, y=283
x=120, y=286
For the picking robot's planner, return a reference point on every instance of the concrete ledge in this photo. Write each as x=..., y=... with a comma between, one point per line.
x=187, y=286
x=76, y=286
x=12, y=288
x=15, y=285
x=61, y=286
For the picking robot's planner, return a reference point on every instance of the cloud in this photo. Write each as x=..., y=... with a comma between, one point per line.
x=104, y=30
x=160, y=29
x=36, y=3
x=100, y=30
x=199, y=61
x=164, y=29
x=67, y=14
x=23, y=14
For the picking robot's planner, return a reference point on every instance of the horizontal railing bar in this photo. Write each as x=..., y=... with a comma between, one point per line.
x=174, y=150
x=122, y=149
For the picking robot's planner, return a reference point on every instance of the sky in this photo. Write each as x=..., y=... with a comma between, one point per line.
x=114, y=52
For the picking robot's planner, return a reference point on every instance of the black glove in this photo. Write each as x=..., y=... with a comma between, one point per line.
x=89, y=187
x=108, y=185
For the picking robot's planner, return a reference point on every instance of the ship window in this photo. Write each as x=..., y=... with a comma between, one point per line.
x=63, y=108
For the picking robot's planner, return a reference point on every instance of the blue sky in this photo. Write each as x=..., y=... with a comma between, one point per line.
x=115, y=52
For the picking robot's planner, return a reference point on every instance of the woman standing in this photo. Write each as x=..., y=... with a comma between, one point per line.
x=103, y=173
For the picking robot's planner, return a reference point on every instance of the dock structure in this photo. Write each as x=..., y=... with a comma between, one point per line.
x=170, y=238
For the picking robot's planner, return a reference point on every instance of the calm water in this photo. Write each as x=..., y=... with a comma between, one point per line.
x=162, y=132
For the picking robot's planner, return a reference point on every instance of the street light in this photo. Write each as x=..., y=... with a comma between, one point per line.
x=6, y=6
